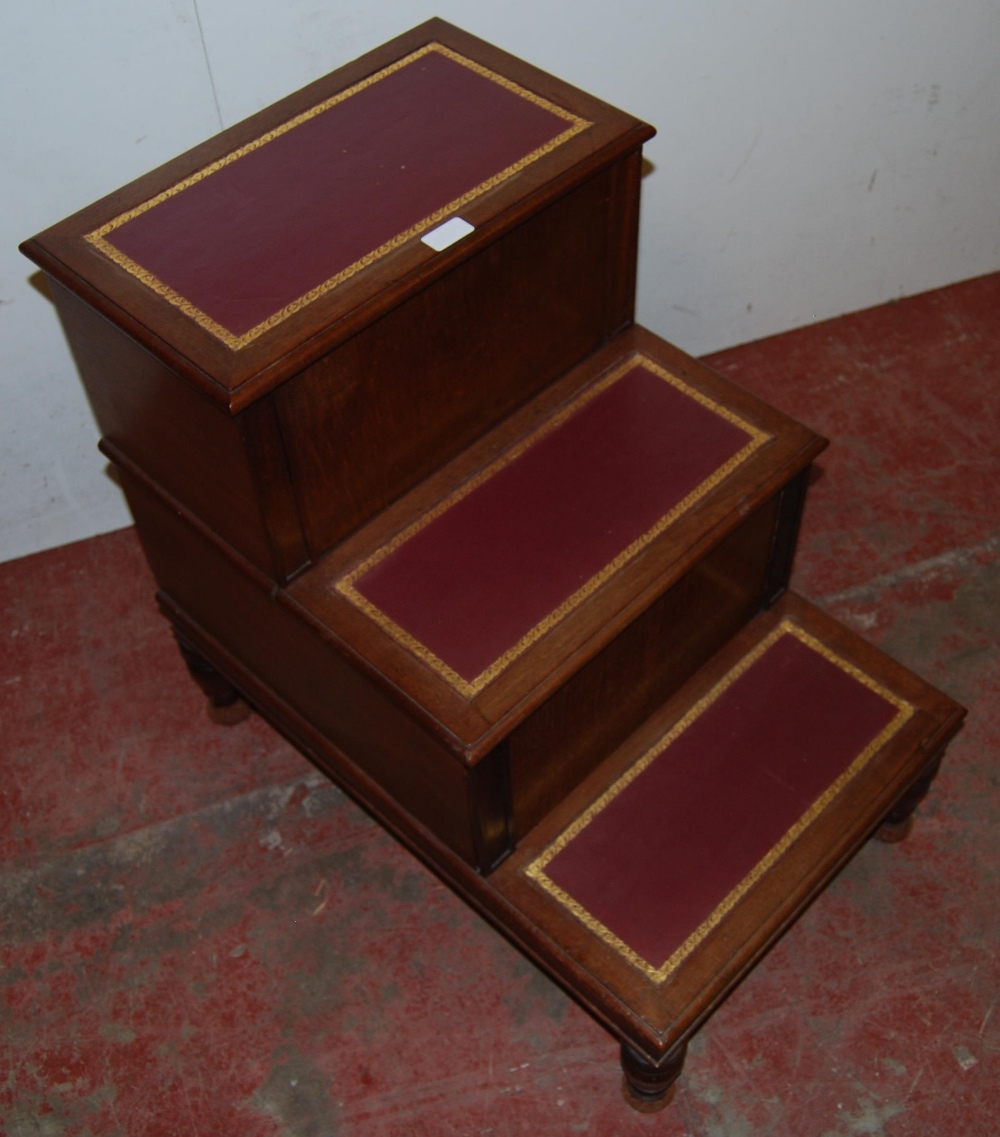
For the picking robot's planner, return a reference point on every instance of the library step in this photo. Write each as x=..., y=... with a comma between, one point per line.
x=493, y=563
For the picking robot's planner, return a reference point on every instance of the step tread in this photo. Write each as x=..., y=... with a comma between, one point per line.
x=479, y=585
x=664, y=877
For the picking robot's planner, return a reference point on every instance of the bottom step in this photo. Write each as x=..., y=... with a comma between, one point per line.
x=655, y=887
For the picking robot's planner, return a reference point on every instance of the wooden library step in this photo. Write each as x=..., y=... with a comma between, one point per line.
x=659, y=883
x=563, y=575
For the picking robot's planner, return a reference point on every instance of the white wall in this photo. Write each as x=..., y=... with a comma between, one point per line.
x=813, y=158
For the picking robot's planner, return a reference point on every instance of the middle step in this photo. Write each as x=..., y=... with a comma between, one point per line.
x=549, y=587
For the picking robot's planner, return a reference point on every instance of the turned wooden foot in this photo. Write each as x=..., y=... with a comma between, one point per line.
x=228, y=714
x=892, y=832
x=224, y=703
x=898, y=822
x=649, y=1086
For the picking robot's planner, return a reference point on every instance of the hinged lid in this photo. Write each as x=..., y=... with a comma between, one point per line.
x=244, y=259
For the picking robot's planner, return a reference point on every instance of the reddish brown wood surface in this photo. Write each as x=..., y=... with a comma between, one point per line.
x=293, y=665
x=392, y=404
x=595, y=709
x=236, y=378
x=182, y=440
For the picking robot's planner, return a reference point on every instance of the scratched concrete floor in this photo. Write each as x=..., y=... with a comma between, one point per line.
x=201, y=936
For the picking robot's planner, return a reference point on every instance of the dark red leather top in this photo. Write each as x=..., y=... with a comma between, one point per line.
x=254, y=236
x=661, y=857
x=474, y=583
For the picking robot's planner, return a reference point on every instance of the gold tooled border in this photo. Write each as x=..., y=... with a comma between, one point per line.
x=98, y=238
x=536, y=870
x=347, y=585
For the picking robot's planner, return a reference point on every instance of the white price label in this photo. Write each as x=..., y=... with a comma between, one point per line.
x=447, y=234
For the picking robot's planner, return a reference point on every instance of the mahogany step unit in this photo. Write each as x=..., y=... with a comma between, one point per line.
x=439, y=511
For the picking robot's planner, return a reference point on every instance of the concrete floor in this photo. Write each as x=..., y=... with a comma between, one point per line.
x=199, y=935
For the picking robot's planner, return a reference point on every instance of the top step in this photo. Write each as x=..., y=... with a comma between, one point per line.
x=252, y=255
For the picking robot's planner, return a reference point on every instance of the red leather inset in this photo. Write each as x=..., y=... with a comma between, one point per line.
x=656, y=862
x=493, y=566
x=279, y=221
